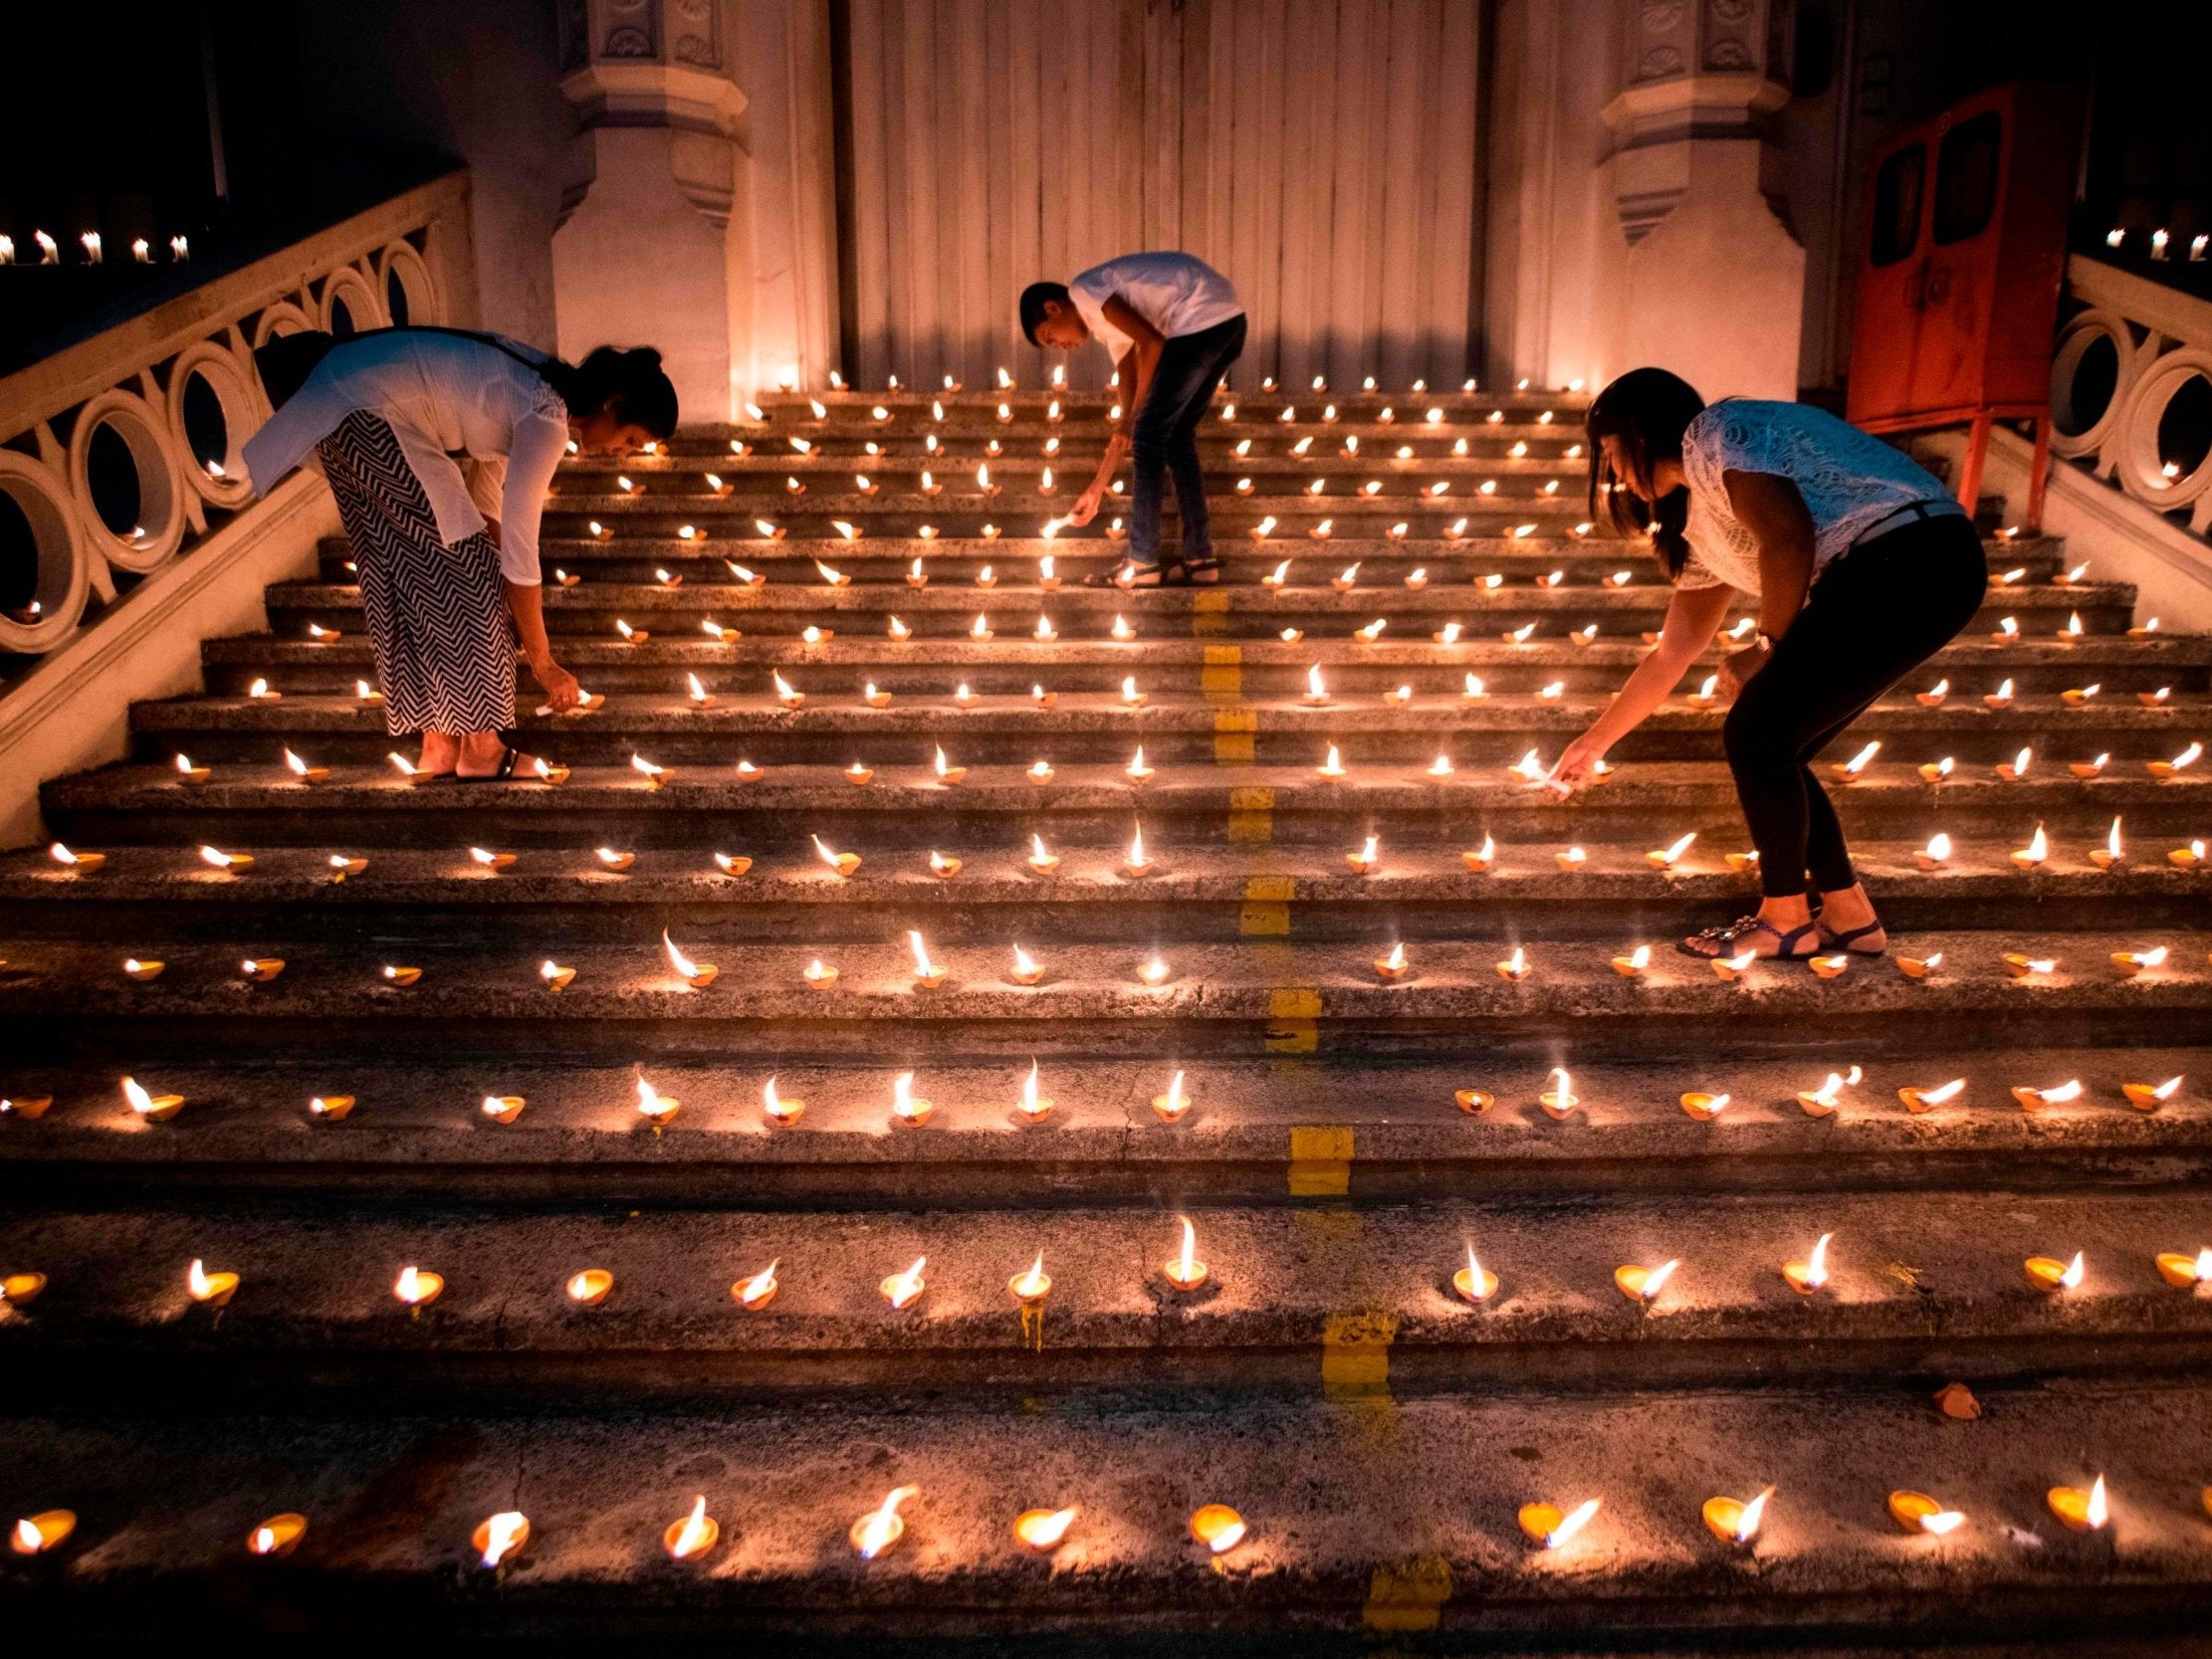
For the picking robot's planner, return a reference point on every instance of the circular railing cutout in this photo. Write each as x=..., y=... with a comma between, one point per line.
x=44, y=576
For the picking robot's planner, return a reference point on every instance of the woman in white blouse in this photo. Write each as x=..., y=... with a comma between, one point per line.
x=447, y=562
x=1862, y=568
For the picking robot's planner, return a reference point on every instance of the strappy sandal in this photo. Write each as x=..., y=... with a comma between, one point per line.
x=510, y=757
x=1130, y=573
x=1201, y=572
x=1847, y=942
x=1728, y=941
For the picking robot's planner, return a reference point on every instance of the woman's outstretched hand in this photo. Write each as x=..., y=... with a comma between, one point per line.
x=1086, y=505
x=1578, y=766
x=560, y=685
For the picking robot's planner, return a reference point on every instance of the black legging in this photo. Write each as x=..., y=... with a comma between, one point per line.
x=1877, y=612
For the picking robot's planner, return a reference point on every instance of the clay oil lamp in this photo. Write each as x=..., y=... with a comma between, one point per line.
x=654, y=1107
x=1438, y=768
x=944, y=865
x=1041, y=1531
x=1032, y=1108
x=757, y=1292
x=157, y=1108
x=498, y=1538
x=751, y=578
x=2079, y=696
x=1530, y=768
x=1332, y=769
x=700, y=697
x=1584, y=635
x=2087, y=769
x=1811, y=1274
x=1048, y=578
x=557, y=977
x=609, y=858
x=692, y=1536
x=1474, y=1283
x=280, y=1534
x=651, y=774
x=1153, y=971
x=859, y=774
x=882, y=1526
x=2146, y=630
x=1317, y=692
x=670, y=579
x=1938, y=772
x=591, y=1287
x=1032, y=1286
x=1734, y=1521
x=1418, y=578
x=2128, y=964
x=1448, y=634
x=37, y=1535
x=2032, y=856
x=2185, y=1272
x=1823, y=1102
x=1261, y=530
x=945, y=773
x=1135, y=862
x=1916, y=1512
x=1039, y=772
x=1918, y=1101
x=1571, y=860
x=1705, y=1107
x=1553, y=691
x=786, y=693
x=1480, y=858
x=211, y=1290
x=416, y=1287
x=1642, y=1284
x=631, y=635
x=1121, y=631
x=1138, y=773
x=1184, y=1270
x=2048, y=1273
x=502, y=1109
x=342, y=866
x=31, y=1107
x=843, y=864
x=903, y=1289
x=1849, y=770
x=302, y=771
x=1363, y=862
x=1516, y=966
x=2150, y=1096
x=2155, y=700
x=260, y=692
x=732, y=863
x=845, y=532
x=2001, y=698
x=2163, y=769
x=1131, y=696
x=1729, y=969
x=82, y=864
x=1560, y=1098
x=484, y=858
x=1277, y=576
x=1664, y=858
x=1518, y=636
x=1632, y=967
x=927, y=974
x=1175, y=1105
x=1553, y=1527
x=261, y=969
x=186, y=773
x=1828, y=967
x=2080, y=1512
x=816, y=636
x=2189, y=857
x=1738, y=863
x=2113, y=852
x=1219, y=1527
x=1043, y=698
x=330, y=1108
x=1934, y=697
x=1043, y=861
x=2016, y=769
x=2026, y=968
x=2007, y=630
x=216, y=858
x=1346, y=579
x=1395, y=966
x=906, y=1106
x=2071, y=634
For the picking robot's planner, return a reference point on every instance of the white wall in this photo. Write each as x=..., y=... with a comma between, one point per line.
x=1322, y=154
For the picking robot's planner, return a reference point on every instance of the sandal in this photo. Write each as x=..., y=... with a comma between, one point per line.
x=1130, y=573
x=510, y=757
x=1847, y=942
x=1728, y=940
x=1201, y=572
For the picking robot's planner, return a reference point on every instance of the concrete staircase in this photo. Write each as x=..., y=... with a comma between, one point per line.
x=1378, y=1433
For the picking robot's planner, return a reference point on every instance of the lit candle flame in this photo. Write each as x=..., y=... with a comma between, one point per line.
x=1572, y=1523
x=882, y=1526
x=695, y=1533
x=902, y=1290
x=502, y=1535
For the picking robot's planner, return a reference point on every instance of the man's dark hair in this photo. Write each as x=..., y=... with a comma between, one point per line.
x=1032, y=305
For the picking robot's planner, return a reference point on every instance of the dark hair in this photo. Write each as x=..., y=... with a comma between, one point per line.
x=1032, y=305
x=1648, y=410
x=628, y=384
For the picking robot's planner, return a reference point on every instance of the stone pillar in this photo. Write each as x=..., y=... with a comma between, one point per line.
x=1710, y=280
x=643, y=255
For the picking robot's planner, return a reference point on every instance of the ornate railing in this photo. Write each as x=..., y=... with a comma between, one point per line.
x=2147, y=343
x=157, y=409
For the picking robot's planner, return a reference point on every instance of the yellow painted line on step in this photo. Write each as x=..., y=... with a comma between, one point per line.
x=1222, y=679
x=1232, y=738
x=1210, y=610
x=1251, y=816
x=1409, y=1597
x=1266, y=910
x=1355, y=1355
x=1320, y=1162
x=1293, y=1011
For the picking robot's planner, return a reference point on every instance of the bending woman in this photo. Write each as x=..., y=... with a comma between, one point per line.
x=447, y=563
x=1862, y=568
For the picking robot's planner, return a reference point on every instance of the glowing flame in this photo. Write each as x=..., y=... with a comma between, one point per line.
x=411, y=1287
x=695, y=1533
x=903, y=1289
x=1946, y=1095
x=503, y=1534
x=2072, y=1277
x=1816, y=1265
x=652, y=1105
x=1043, y=1529
x=1747, y=1526
x=1572, y=1523
x=882, y=1526
x=924, y=969
x=1655, y=1280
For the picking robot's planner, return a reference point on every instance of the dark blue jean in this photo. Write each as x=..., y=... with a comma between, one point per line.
x=1164, y=438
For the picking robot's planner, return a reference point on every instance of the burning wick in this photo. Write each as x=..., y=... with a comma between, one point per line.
x=417, y=1287
x=1026, y=970
x=2185, y=1272
x=1153, y=971
x=1810, y=1275
x=1475, y=1282
x=2083, y=1511
x=1916, y=1512
x=1043, y=1530
x=153, y=1108
x=1664, y=858
x=1174, y=1104
x=1515, y=968
x=2047, y=1272
x=655, y=1108
x=694, y=1535
x=1482, y=856
x=1643, y=1284
x=757, y=1292
x=1394, y=966
x=1033, y=1109
x=280, y=1534
x=1551, y=1527
x=37, y=1534
x=1031, y=1286
x=903, y=1289
x=2148, y=1097
x=500, y=1536
x=1219, y=1527
x=927, y=974
x=906, y=1108
x=1926, y=1099
x=698, y=975
x=1633, y=965
x=213, y=1289
x=1733, y=1521
x=591, y=1287
x=1185, y=1271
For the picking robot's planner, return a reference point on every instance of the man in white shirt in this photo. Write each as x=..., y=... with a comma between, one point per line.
x=1172, y=325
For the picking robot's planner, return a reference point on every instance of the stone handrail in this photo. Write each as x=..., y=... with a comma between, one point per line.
x=2162, y=339
x=135, y=379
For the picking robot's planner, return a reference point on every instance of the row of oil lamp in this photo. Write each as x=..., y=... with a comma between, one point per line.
x=1217, y=1529
x=925, y=481
x=1557, y=1098
x=49, y=251
x=1939, y=852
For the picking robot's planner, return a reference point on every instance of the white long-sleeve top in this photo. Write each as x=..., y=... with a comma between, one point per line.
x=446, y=399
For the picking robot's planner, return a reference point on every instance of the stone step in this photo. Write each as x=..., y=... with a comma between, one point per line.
x=1345, y=1125
x=1175, y=726
x=1255, y=997
x=1418, y=889
x=1920, y=1289
x=1370, y=1521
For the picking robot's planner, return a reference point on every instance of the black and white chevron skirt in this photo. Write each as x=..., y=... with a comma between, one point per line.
x=438, y=621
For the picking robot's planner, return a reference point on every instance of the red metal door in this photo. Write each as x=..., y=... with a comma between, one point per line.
x=1885, y=343
x=1957, y=266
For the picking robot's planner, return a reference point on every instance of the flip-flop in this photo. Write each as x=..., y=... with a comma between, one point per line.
x=1716, y=943
x=1843, y=942
x=504, y=774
